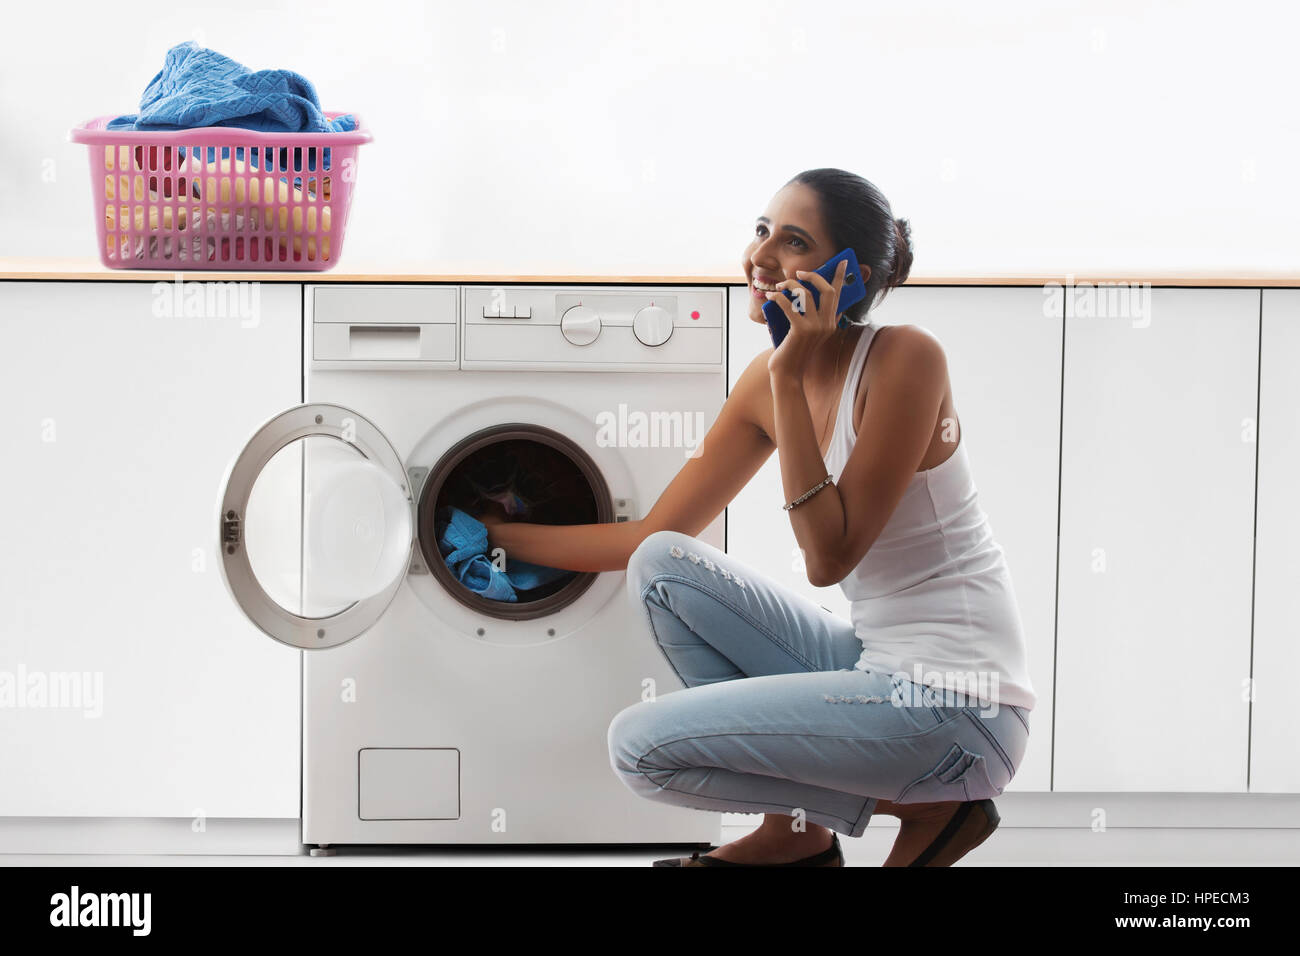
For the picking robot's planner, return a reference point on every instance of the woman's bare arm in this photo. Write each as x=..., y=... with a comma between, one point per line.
x=837, y=526
x=732, y=451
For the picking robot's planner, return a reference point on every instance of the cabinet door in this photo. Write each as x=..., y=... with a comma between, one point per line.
x=1274, y=726
x=125, y=402
x=1157, y=505
x=1004, y=360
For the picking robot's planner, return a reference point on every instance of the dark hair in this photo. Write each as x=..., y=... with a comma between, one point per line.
x=857, y=214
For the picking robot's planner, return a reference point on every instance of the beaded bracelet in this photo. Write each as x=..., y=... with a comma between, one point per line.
x=809, y=493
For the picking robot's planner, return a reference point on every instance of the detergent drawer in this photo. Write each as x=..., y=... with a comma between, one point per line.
x=408, y=783
x=356, y=327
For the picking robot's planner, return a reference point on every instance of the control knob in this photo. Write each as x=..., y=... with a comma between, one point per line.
x=580, y=325
x=653, y=325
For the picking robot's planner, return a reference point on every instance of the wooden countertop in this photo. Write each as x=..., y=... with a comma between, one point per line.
x=90, y=269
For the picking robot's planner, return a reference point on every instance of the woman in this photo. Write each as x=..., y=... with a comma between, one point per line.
x=917, y=707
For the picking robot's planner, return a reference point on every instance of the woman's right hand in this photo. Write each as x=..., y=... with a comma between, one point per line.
x=492, y=515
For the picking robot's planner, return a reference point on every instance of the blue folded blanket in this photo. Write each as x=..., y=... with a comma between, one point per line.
x=200, y=87
x=463, y=543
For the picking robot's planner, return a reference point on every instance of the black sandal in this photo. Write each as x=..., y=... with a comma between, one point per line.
x=831, y=856
x=971, y=825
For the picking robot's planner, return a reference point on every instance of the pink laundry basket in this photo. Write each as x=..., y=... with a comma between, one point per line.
x=220, y=197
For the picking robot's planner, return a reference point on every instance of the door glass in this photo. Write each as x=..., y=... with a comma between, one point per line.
x=325, y=527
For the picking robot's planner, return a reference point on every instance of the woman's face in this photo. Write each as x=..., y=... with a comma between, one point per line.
x=789, y=236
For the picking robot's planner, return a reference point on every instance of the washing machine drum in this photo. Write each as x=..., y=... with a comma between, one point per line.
x=526, y=480
x=520, y=473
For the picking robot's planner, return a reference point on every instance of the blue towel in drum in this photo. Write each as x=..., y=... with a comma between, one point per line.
x=463, y=543
x=200, y=87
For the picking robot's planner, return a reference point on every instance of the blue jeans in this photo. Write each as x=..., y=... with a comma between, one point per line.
x=775, y=719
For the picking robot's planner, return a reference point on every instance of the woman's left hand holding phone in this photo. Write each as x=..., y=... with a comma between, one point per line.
x=808, y=329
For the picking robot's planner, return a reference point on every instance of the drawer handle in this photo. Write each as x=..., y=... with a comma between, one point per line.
x=384, y=341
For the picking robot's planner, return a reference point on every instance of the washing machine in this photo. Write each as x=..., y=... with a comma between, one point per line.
x=431, y=713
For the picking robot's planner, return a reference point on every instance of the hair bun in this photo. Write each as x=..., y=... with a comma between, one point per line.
x=901, y=264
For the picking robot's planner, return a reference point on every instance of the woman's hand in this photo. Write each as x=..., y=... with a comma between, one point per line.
x=809, y=330
x=492, y=515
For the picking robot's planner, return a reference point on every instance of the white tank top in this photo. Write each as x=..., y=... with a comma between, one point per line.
x=932, y=598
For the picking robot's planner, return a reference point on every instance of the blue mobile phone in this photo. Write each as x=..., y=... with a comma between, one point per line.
x=850, y=294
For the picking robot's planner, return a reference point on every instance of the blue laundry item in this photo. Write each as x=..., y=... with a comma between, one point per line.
x=200, y=87
x=463, y=544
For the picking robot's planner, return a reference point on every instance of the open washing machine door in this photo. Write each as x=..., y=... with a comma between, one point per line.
x=316, y=526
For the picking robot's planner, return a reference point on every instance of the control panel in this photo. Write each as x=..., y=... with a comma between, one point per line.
x=623, y=327
x=544, y=327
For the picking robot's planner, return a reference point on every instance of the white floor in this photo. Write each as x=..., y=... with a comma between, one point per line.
x=1010, y=846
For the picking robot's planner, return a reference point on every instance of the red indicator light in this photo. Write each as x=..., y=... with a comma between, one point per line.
x=695, y=314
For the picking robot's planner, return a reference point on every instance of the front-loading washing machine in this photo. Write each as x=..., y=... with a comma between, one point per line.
x=431, y=713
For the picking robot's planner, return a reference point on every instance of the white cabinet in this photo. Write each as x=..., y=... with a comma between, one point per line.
x=1157, y=502
x=123, y=403
x=1004, y=357
x=1274, y=725
x=125, y=399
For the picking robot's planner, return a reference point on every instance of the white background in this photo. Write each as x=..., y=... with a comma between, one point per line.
x=591, y=137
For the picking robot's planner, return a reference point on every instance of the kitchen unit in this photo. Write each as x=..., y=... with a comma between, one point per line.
x=1137, y=476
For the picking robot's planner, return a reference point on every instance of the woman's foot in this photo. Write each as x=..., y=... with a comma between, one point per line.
x=775, y=841
x=968, y=824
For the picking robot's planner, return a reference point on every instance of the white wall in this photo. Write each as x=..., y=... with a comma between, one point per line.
x=645, y=137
